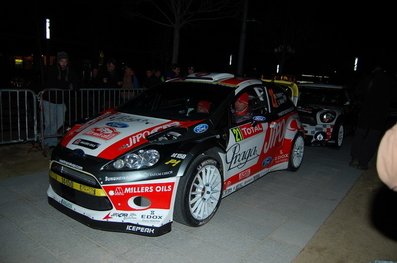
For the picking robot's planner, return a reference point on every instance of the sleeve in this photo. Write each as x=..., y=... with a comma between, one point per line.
x=386, y=163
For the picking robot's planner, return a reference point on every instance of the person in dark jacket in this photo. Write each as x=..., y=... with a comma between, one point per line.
x=372, y=119
x=60, y=77
x=110, y=77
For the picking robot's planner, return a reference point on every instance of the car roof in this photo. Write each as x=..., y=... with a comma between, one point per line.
x=209, y=77
x=224, y=79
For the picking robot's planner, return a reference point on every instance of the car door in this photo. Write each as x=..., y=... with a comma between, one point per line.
x=244, y=152
x=283, y=122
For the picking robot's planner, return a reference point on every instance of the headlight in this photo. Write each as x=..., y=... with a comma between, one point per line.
x=327, y=116
x=137, y=160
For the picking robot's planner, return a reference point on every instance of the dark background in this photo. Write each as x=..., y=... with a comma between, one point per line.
x=324, y=37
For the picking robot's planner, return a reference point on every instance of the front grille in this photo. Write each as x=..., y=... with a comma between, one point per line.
x=76, y=187
x=74, y=175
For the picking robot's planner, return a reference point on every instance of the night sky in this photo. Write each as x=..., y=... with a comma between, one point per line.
x=324, y=36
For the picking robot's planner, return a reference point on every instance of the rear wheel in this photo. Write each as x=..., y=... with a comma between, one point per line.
x=297, y=151
x=199, y=192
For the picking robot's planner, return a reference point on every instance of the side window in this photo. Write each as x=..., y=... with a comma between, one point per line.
x=259, y=101
x=251, y=102
x=279, y=100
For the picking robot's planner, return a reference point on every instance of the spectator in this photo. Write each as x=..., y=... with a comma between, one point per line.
x=94, y=77
x=150, y=79
x=174, y=73
x=110, y=77
x=190, y=70
x=130, y=82
x=158, y=75
x=372, y=117
x=386, y=162
x=60, y=77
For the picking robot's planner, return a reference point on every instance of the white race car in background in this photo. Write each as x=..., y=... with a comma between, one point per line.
x=323, y=109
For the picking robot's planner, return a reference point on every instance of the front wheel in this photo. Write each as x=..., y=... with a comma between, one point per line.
x=339, y=135
x=297, y=151
x=199, y=192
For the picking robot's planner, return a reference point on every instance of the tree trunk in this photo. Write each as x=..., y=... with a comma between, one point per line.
x=241, y=53
x=175, y=46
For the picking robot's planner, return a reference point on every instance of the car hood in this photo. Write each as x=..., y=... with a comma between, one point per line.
x=115, y=133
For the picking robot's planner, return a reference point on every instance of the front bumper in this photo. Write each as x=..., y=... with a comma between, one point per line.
x=318, y=134
x=143, y=207
x=110, y=226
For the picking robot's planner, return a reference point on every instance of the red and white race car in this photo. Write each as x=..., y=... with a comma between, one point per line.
x=173, y=152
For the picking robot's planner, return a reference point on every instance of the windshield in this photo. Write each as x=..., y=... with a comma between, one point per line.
x=178, y=100
x=321, y=96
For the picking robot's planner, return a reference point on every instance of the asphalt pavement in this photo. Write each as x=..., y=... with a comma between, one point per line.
x=270, y=220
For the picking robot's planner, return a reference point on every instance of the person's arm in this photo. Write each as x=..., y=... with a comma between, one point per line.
x=386, y=163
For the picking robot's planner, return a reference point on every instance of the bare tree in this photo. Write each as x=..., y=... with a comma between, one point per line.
x=176, y=14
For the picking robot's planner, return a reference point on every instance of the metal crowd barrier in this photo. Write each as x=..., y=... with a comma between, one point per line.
x=26, y=116
x=75, y=106
x=18, y=116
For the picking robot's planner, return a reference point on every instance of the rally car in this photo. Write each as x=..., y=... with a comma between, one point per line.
x=324, y=110
x=173, y=152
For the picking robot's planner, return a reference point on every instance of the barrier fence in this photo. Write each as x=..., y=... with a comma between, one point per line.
x=18, y=118
x=26, y=116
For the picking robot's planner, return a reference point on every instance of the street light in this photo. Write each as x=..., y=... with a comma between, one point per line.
x=47, y=28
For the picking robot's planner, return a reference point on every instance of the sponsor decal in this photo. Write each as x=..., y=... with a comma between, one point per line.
x=283, y=157
x=161, y=173
x=201, y=128
x=127, y=118
x=259, y=118
x=173, y=162
x=140, y=137
x=117, y=124
x=117, y=191
x=227, y=192
x=244, y=174
x=71, y=164
x=181, y=156
x=148, y=189
x=116, y=178
x=66, y=203
x=104, y=133
x=77, y=186
x=238, y=136
x=122, y=216
x=267, y=161
x=159, y=194
x=78, y=128
x=140, y=229
x=274, y=135
x=238, y=158
x=245, y=131
x=151, y=217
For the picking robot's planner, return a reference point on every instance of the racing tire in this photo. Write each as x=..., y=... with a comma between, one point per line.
x=199, y=192
x=338, y=136
x=297, y=152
